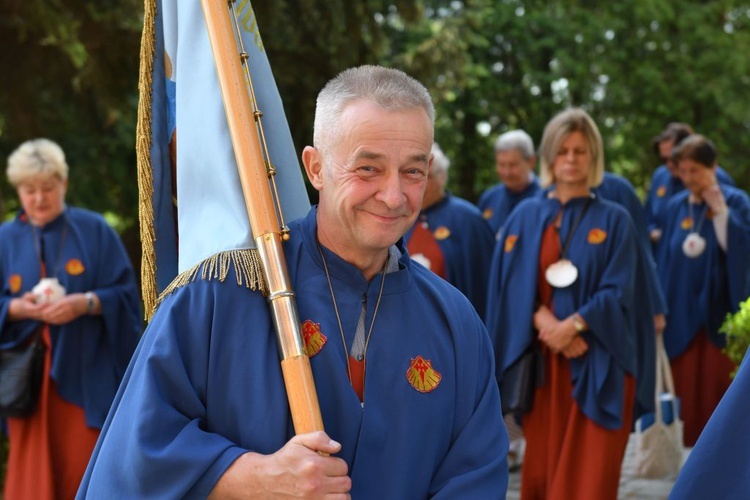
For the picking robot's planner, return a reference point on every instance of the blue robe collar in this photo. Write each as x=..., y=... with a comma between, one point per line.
x=396, y=281
x=53, y=225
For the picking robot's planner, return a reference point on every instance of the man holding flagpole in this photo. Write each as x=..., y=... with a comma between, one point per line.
x=402, y=363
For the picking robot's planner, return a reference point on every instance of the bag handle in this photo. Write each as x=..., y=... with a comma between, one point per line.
x=664, y=380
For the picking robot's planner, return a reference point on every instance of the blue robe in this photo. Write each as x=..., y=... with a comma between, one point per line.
x=701, y=291
x=603, y=295
x=663, y=187
x=648, y=303
x=205, y=387
x=497, y=202
x=466, y=243
x=718, y=464
x=89, y=354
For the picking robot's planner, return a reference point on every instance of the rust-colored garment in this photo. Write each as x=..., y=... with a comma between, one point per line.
x=567, y=454
x=49, y=450
x=357, y=369
x=701, y=377
x=548, y=255
x=423, y=242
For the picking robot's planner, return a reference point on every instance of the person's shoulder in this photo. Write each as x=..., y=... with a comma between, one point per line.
x=10, y=227
x=492, y=192
x=677, y=199
x=215, y=286
x=619, y=181
x=9, y=234
x=723, y=176
x=436, y=288
x=530, y=204
x=660, y=173
x=616, y=214
x=86, y=217
x=464, y=207
x=611, y=206
x=734, y=193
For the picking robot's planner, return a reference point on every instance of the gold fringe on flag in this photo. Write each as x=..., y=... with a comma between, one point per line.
x=143, y=154
x=246, y=263
x=247, y=271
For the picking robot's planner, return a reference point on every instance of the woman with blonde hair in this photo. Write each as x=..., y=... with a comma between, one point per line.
x=562, y=287
x=65, y=279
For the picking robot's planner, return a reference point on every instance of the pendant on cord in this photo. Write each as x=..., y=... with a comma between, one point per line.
x=561, y=274
x=694, y=245
x=564, y=273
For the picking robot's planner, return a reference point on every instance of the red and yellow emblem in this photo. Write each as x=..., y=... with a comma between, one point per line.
x=422, y=376
x=313, y=338
x=687, y=223
x=74, y=267
x=14, y=282
x=487, y=214
x=442, y=233
x=597, y=236
x=661, y=191
x=510, y=242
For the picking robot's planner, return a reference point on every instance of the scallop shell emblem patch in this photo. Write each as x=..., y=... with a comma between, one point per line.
x=661, y=191
x=687, y=223
x=14, y=283
x=422, y=376
x=442, y=233
x=487, y=214
x=312, y=338
x=510, y=242
x=597, y=236
x=74, y=267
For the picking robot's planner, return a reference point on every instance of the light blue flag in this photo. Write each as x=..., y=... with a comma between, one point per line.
x=186, y=102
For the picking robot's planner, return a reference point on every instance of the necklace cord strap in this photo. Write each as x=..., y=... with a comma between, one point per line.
x=575, y=226
x=338, y=316
x=702, y=217
x=39, y=248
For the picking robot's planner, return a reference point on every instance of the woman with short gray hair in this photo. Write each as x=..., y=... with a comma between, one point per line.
x=67, y=281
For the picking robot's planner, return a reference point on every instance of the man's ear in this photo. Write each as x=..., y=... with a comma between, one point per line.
x=313, y=163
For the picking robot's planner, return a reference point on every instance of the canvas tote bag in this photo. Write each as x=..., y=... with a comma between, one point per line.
x=659, y=447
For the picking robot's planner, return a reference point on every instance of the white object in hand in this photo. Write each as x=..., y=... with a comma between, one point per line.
x=48, y=290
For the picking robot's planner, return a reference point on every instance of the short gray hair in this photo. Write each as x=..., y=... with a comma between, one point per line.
x=516, y=140
x=440, y=162
x=37, y=157
x=388, y=88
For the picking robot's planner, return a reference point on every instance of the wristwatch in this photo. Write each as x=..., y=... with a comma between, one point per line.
x=89, y=302
x=577, y=323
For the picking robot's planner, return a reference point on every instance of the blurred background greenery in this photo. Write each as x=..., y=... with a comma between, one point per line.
x=71, y=74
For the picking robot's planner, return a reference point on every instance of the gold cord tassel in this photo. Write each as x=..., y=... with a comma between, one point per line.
x=143, y=154
x=247, y=270
x=246, y=263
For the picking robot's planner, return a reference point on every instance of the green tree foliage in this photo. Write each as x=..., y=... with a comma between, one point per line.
x=737, y=329
x=635, y=66
x=70, y=73
x=492, y=66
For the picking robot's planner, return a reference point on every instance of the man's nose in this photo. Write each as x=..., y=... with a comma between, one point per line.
x=391, y=191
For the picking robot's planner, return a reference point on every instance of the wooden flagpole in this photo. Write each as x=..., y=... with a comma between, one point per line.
x=244, y=130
